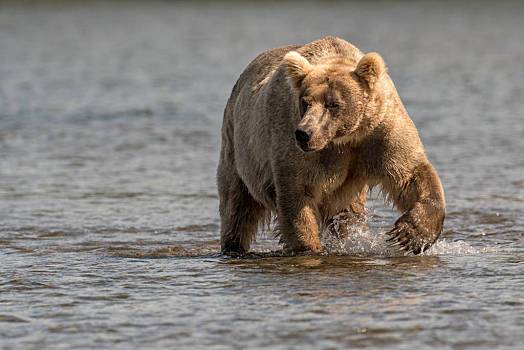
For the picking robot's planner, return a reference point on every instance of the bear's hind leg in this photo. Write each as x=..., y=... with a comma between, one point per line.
x=355, y=216
x=240, y=215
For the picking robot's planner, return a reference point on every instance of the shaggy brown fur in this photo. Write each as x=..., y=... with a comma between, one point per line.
x=306, y=132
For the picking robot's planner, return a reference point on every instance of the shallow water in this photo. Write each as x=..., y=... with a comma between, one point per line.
x=109, y=134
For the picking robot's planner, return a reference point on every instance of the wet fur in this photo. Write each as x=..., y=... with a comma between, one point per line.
x=373, y=142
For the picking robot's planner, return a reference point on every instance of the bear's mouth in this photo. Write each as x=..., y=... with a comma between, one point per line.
x=307, y=148
x=303, y=146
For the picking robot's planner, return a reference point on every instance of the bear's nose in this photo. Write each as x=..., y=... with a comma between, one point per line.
x=301, y=135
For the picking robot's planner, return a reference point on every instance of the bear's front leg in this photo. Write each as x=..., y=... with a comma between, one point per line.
x=298, y=216
x=298, y=220
x=421, y=198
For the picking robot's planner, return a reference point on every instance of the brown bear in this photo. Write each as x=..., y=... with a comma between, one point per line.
x=307, y=131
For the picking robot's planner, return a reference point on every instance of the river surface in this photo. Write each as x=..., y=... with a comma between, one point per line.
x=109, y=140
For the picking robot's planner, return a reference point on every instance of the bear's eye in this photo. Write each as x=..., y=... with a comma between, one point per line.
x=305, y=104
x=332, y=105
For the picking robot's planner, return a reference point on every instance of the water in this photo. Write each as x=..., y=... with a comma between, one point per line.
x=109, y=135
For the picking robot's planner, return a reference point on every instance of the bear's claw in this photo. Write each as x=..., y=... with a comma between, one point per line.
x=405, y=238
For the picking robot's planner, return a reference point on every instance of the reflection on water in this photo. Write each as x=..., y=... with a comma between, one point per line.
x=109, y=136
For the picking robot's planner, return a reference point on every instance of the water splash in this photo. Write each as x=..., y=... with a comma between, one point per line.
x=443, y=247
x=354, y=237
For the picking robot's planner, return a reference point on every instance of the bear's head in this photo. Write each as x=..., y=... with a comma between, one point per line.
x=334, y=97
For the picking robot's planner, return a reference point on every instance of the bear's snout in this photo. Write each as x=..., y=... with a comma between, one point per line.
x=303, y=138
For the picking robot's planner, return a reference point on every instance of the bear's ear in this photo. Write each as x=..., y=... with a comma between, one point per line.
x=297, y=67
x=370, y=68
